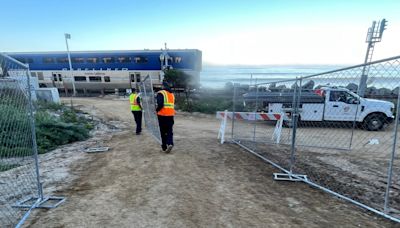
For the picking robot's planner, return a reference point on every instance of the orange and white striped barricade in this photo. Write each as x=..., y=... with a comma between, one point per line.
x=254, y=116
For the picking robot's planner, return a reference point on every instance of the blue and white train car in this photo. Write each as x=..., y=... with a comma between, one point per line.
x=107, y=70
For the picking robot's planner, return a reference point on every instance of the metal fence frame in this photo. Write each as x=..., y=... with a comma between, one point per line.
x=288, y=172
x=37, y=200
x=149, y=108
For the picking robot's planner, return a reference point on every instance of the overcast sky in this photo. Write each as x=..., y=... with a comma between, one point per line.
x=226, y=31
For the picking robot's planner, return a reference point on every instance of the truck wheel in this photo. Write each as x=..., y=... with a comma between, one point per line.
x=374, y=122
x=289, y=123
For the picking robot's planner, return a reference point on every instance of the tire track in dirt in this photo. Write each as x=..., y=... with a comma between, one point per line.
x=201, y=184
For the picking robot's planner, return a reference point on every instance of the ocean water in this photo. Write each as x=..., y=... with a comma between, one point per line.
x=218, y=76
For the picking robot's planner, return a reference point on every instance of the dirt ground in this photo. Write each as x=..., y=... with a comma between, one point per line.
x=200, y=184
x=360, y=173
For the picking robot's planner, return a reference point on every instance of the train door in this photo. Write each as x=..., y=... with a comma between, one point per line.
x=134, y=79
x=57, y=80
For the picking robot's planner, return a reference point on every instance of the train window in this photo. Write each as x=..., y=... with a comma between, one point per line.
x=93, y=60
x=25, y=60
x=78, y=60
x=22, y=60
x=108, y=59
x=55, y=77
x=124, y=59
x=107, y=79
x=40, y=75
x=62, y=60
x=33, y=74
x=95, y=78
x=140, y=59
x=80, y=78
x=48, y=60
x=178, y=59
x=132, y=76
x=59, y=77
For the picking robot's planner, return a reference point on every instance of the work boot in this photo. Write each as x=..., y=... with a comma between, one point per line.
x=169, y=148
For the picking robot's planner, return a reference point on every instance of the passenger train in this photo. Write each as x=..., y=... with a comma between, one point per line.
x=106, y=71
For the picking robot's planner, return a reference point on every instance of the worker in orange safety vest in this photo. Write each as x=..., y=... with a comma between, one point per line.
x=165, y=113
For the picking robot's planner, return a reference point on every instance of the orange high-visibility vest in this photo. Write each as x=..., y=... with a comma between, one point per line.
x=134, y=104
x=169, y=104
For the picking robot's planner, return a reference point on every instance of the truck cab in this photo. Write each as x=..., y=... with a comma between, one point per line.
x=343, y=105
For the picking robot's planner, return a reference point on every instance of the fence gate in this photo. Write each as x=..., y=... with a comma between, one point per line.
x=149, y=108
x=20, y=186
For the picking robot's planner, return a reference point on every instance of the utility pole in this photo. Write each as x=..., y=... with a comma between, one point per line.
x=164, y=61
x=67, y=37
x=374, y=35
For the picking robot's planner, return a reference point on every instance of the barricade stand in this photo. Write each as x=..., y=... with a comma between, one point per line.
x=278, y=129
x=221, y=132
x=279, y=117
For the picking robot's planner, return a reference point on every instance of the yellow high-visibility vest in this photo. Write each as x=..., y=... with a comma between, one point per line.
x=134, y=104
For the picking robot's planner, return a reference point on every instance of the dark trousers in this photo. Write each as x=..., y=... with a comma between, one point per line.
x=166, y=123
x=138, y=119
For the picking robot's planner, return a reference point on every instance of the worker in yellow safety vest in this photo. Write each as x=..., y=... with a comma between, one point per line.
x=136, y=109
x=165, y=113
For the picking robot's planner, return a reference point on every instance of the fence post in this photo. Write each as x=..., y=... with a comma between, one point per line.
x=33, y=135
x=390, y=168
x=233, y=108
x=255, y=112
x=295, y=116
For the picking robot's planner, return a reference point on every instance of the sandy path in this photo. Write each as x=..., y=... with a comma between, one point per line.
x=201, y=184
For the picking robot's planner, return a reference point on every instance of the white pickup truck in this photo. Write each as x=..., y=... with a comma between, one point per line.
x=329, y=104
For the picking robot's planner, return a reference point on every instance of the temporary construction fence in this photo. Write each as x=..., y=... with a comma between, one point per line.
x=149, y=107
x=20, y=186
x=332, y=139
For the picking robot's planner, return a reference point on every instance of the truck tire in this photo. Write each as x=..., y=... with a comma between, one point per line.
x=289, y=123
x=374, y=122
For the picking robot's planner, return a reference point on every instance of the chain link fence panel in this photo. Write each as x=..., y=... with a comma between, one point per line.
x=149, y=108
x=258, y=129
x=18, y=155
x=349, y=151
x=344, y=144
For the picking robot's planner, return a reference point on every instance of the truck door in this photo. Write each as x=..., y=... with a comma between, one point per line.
x=340, y=106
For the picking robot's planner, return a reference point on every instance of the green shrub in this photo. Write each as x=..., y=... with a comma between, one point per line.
x=208, y=105
x=15, y=129
x=51, y=106
x=55, y=125
x=52, y=132
x=69, y=116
